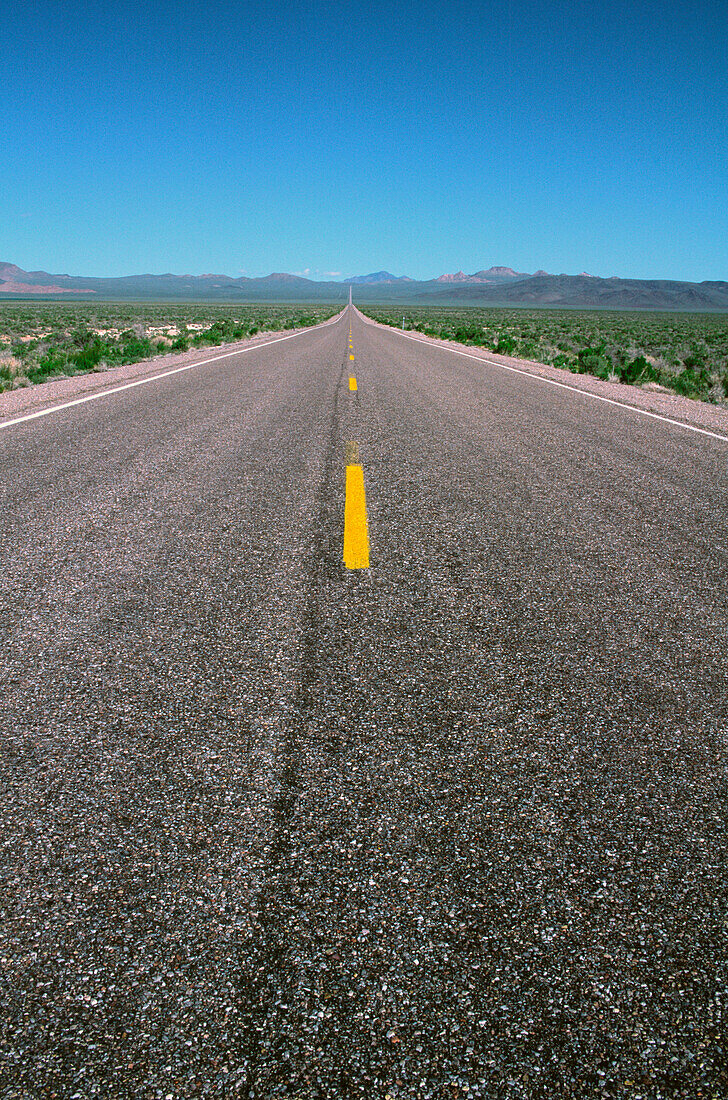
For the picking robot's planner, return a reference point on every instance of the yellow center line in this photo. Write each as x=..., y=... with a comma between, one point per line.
x=356, y=531
x=352, y=383
x=356, y=534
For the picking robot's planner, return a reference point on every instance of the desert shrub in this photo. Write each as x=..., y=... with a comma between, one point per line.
x=54, y=362
x=594, y=360
x=691, y=382
x=89, y=355
x=136, y=348
x=469, y=334
x=637, y=370
x=82, y=337
x=695, y=360
x=505, y=345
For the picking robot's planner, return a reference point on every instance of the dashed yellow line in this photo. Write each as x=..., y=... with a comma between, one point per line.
x=356, y=531
x=352, y=383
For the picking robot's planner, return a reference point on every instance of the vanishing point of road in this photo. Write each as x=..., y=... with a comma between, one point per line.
x=444, y=819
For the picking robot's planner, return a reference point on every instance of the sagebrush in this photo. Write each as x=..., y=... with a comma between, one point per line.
x=42, y=340
x=683, y=352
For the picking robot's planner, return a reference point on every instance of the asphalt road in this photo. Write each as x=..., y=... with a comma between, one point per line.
x=450, y=826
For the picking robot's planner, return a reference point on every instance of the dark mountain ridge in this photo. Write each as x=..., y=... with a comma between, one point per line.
x=494, y=286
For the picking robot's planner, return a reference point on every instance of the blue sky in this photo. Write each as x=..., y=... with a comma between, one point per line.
x=245, y=138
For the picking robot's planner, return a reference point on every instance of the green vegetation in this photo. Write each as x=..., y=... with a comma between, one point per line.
x=42, y=340
x=684, y=352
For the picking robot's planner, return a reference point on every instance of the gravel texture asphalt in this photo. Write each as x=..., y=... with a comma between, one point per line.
x=453, y=826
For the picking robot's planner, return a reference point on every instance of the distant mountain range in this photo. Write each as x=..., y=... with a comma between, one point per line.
x=494, y=275
x=493, y=286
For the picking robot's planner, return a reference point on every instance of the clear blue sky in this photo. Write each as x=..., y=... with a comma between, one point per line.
x=348, y=137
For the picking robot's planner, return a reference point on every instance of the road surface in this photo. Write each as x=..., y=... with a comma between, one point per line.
x=451, y=824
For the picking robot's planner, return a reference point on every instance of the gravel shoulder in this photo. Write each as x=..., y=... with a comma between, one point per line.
x=700, y=414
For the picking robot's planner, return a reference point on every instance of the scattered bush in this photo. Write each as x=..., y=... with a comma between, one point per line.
x=54, y=362
x=68, y=338
x=638, y=370
x=468, y=334
x=684, y=352
x=90, y=355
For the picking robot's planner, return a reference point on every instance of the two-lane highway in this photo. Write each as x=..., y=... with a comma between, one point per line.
x=448, y=822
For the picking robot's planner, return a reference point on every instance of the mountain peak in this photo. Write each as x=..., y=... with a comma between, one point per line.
x=283, y=277
x=501, y=271
x=10, y=271
x=378, y=277
x=491, y=275
x=458, y=277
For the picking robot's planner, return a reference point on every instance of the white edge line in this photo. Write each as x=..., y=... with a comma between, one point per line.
x=162, y=374
x=553, y=382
